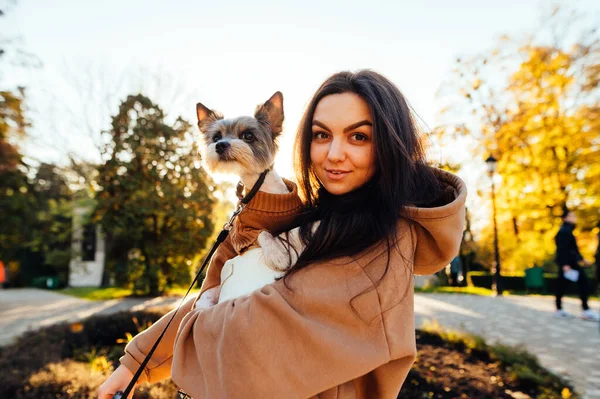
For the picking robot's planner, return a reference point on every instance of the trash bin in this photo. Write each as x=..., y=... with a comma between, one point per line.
x=52, y=283
x=534, y=278
x=49, y=282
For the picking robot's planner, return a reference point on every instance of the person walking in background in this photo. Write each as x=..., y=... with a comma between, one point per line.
x=568, y=259
x=455, y=268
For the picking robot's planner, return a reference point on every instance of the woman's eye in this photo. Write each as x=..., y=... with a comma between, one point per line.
x=247, y=135
x=319, y=135
x=360, y=137
x=217, y=137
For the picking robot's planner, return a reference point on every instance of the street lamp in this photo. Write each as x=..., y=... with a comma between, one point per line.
x=492, y=164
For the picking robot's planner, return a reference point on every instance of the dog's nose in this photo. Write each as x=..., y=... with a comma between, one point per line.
x=221, y=146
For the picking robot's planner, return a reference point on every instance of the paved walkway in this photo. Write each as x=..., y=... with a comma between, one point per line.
x=30, y=308
x=570, y=347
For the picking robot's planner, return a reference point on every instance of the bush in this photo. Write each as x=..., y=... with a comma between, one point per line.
x=479, y=279
x=517, y=282
x=71, y=379
x=508, y=368
x=60, y=380
x=72, y=360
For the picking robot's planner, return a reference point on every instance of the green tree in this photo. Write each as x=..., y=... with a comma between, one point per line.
x=35, y=214
x=155, y=202
x=15, y=193
x=52, y=228
x=16, y=199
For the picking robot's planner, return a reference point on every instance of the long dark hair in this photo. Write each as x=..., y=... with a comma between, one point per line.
x=352, y=222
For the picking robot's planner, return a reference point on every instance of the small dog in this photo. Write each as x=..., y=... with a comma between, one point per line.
x=246, y=146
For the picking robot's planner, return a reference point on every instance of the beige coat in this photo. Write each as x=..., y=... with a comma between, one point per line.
x=337, y=332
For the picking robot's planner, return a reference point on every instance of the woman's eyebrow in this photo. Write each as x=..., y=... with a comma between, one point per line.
x=356, y=125
x=321, y=125
x=347, y=128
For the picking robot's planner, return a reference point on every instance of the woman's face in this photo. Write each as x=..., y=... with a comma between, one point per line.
x=342, y=153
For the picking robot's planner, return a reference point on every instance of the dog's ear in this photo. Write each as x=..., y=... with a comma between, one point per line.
x=206, y=116
x=272, y=112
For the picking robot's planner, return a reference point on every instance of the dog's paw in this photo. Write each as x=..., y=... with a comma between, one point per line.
x=208, y=299
x=265, y=239
x=275, y=253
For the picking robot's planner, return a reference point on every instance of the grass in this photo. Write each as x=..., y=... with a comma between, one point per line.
x=97, y=294
x=103, y=294
x=457, y=290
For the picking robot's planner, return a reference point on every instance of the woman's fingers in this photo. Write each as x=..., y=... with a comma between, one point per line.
x=117, y=382
x=107, y=393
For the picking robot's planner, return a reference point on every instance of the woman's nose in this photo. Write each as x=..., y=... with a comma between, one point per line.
x=336, y=151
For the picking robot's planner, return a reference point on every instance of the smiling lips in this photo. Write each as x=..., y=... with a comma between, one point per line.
x=336, y=174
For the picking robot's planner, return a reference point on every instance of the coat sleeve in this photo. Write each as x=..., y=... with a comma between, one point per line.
x=159, y=367
x=438, y=231
x=282, y=342
x=577, y=254
x=562, y=249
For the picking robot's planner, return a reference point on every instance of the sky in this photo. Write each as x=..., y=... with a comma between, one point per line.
x=232, y=55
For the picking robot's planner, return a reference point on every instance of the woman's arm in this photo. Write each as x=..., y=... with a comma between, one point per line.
x=284, y=343
x=159, y=367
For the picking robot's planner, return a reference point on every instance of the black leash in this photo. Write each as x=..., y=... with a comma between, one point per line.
x=243, y=201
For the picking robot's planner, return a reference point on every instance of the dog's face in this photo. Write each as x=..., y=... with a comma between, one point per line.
x=244, y=145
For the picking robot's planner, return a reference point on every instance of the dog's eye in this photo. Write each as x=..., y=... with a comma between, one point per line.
x=247, y=135
x=217, y=137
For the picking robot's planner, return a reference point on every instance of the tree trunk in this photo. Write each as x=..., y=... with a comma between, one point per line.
x=107, y=251
x=151, y=274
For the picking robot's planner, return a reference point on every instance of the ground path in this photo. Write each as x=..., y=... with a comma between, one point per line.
x=29, y=308
x=569, y=347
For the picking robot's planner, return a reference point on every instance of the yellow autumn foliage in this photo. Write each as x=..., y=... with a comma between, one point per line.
x=535, y=106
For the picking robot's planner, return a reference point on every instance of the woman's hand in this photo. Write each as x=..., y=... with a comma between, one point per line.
x=117, y=381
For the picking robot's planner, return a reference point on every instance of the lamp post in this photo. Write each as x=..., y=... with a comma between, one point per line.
x=492, y=164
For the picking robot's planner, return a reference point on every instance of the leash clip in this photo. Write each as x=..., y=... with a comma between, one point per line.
x=229, y=225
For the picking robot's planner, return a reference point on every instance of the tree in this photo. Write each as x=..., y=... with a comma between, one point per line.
x=82, y=108
x=15, y=192
x=155, y=202
x=52, y=227
x=534, y=104
x=35, y=213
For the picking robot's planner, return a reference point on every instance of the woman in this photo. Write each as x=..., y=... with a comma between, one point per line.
x=340, y=324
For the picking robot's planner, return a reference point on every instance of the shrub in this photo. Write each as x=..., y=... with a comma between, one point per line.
x=517, y=282
x=75, y=354
x=523, y=367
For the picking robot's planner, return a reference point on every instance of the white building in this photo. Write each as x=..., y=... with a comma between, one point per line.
x=87, y=249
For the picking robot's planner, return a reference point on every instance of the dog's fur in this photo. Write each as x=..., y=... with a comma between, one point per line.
x=246, y=146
